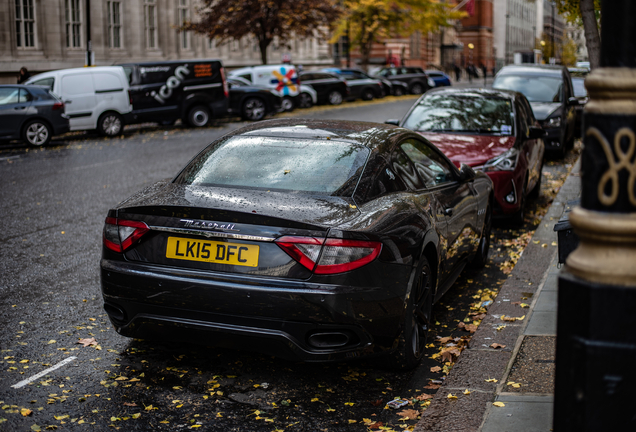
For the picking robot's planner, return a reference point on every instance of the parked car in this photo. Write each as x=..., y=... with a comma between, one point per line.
x=330, y=88
x=319, y=240
x=307, y=98
x=493, y=131
x=439, y=78
x=414, y=77
x=191, y=90
x=580, y=92
x=94, y=98
x=549, y=91
x=31, y=113
x=283, y=78
x=361, y=85
x=252, y=103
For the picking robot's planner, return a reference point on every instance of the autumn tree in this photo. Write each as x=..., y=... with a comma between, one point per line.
x=265, y=20
x=369, y=21
x=568, y=52
x=587, y=12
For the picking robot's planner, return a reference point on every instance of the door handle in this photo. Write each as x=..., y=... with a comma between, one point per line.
x=448, y=211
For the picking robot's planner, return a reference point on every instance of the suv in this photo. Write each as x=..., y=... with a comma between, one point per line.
x=362, y=86
x=191, y=90
x=415, y=77
x=549, y=91
x=330, y=88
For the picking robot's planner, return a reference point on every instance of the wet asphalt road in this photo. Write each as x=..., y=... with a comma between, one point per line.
x=54, y=201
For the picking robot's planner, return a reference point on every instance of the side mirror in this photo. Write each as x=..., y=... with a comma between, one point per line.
x=466, y=173
x=536, y=132
x=395, y=122
x=573, y=101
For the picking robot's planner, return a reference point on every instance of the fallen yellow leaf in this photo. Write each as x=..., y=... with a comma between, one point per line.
x=451, y=396
x=499, y=404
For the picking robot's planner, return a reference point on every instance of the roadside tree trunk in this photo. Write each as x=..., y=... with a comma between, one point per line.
x=592, y=38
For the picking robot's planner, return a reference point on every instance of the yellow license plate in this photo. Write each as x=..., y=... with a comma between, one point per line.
x=212, y=251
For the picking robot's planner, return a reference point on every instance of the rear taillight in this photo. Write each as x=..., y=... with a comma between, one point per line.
x=329, y=256
x=58, y=106
x=120, y=234
x=226, y=89
x=130, y=96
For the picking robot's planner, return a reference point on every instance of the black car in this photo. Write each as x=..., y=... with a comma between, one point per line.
x=415, y=78
x=549, y=91
x=580, y=92
x=362, y=86
x=330, y=88
x=312, y=240
x=191, y=90
x=252, y=103
x=31, y=113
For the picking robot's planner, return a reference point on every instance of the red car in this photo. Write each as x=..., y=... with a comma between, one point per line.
x=490, y=130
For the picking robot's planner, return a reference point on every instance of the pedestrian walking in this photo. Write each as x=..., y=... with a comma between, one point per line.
x=484, y=69
x=24, y=75
x=458, y=72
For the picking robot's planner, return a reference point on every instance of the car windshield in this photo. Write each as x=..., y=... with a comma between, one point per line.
x=579, y=87
x=298, y=165
x=462, y=113
x=534, y=87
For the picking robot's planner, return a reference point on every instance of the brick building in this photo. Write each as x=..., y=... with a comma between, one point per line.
x=477, y=32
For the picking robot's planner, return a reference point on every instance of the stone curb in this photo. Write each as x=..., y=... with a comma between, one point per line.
x=479, y=362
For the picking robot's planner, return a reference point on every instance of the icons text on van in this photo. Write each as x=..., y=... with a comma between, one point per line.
x=173, y=82
x=286, y=81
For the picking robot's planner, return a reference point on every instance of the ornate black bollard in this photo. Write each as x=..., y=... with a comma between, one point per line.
x=596, y=330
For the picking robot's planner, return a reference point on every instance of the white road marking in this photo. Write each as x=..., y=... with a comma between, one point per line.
x=44, y=372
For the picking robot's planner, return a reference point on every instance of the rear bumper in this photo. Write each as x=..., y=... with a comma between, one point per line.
x=289, y=319
x=553, y=139
x=506, y=183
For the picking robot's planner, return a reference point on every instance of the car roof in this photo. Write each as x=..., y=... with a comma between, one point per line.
x=532, y=69
x=485, y=92
x=168, y=62
x=367, y=134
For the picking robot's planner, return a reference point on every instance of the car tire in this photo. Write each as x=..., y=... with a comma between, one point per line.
x=110, y=124
x=417, y=319
x=335, y=98
x=305, y=100
x=253, y=109
x=518, y=218
x=287, y=104
x=37, y=133
x=398, y=91
x=481, y=257
x=536, y=191
x=368, y=94
x=417, y=88
x=198, y=116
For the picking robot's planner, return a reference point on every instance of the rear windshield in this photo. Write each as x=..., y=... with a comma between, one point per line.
x=535, y=88
x=462, y=113
x=298, y=165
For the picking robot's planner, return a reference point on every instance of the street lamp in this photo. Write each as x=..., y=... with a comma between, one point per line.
x=471, y=47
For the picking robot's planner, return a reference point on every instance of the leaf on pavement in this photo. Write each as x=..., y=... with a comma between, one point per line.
x=492, y=380
x=26, y=412
x=130, y=404
x=499, y=404
x=432, y=386
x=466, y=392
x=435, y=369
x=451, y=396
x=87, y=342
x=497, y=346
x=424, y=396
x=410, y=414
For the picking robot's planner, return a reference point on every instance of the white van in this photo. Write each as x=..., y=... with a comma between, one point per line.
x=282, y=78
x=95, y=98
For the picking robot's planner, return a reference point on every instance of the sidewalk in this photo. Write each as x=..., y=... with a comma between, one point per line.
x=528, y=356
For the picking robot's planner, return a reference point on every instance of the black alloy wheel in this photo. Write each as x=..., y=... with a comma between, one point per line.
x=37, y=133
x=110, y=124
x=253, y=109
x=305, y=100
x=368, y=94
x=198, y=116
x=417, y=321
x=519, y=216
x=398, y=91
x=335, y=97
x=417, y=88
x=481, y=257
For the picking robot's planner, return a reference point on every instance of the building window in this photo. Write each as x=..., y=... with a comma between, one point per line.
x=183, y=18
x=150, y=22
x=25, y=23
x=73, y=24
x=114, y=24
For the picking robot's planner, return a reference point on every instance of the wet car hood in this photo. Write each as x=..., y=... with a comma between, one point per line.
x=472, y=150
x=543, y=110
x=319, y=210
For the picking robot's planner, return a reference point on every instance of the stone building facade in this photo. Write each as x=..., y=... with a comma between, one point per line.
x=45, y=35
x=516, y=28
